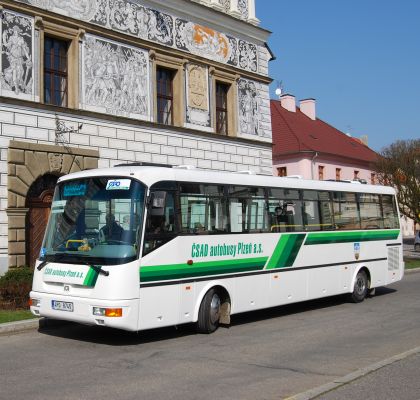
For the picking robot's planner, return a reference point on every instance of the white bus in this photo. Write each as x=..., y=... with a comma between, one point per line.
x=141, y=247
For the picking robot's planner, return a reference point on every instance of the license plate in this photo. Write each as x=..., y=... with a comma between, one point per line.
x=62, y=305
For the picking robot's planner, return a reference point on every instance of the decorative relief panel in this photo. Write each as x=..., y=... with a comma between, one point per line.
x=248, y=107
x=115, y=78
x=248, y=56
x=131, y=18
x=134, y=19
x=198, y=111
x=16, y=62
x=80, y=9
x=203, y=41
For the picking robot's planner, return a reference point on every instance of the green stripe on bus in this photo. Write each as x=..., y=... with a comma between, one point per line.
x=179, y=271
x=286, y=251
x=91, y=278
x=344, y=237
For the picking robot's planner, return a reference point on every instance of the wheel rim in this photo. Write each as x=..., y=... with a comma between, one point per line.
x=360, y=285
x=215, y=308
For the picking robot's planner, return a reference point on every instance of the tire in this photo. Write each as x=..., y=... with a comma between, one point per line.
x=209, y=313
x=361, y=287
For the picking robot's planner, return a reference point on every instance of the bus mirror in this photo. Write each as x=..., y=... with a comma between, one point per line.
x=158, y=201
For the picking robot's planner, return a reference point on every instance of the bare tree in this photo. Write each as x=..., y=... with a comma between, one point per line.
x=399, y=166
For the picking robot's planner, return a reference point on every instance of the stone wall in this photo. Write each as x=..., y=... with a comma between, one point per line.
x=112, y=142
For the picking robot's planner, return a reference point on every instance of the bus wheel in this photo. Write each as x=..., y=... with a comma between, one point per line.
x=209, y=314
x=361, y=288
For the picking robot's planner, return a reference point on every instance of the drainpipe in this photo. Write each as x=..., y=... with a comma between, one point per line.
x=313, y=163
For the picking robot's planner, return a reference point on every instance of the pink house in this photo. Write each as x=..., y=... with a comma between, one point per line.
x=311, y=148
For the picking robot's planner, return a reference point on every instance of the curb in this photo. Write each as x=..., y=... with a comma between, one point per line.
x=411, y=271
x=19, y=326
x=30, y=324
x=320, y=390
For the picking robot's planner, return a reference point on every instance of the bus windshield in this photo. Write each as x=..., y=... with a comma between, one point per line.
x=95, y=221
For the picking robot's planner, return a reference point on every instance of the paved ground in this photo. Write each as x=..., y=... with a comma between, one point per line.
x=398, y=381
x=271, y=354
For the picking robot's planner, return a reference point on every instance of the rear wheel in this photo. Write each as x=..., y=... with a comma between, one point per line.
x=361, y=287
x=209, y=314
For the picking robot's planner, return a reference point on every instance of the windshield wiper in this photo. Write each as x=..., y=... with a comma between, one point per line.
x=58, y=257
x=97, y=268
x=42, y=265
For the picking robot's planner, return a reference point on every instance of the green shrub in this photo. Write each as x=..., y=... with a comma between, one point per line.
x=15, y=286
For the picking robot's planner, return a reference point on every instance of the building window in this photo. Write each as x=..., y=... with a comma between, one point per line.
x=164, y=96
x=321, y=172
x=282, y=171
x=222, y=108
x=338, y=174
x=373, y=178
x=356, y=175
x=56, y=72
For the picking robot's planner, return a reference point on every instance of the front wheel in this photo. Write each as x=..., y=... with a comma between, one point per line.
x=209, y=314
x=361, y=287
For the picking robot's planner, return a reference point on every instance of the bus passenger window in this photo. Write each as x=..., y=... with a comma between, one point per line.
x=390, y=213
x=285, y=210
x=370, y=211
x=203, y=209
x=247, y=209
x=346, y=213
x=160, y=224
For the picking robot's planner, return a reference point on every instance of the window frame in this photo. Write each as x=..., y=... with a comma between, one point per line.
x=220, y=110
x=53, y=73
x=230, y=80
x=177, y=66
x=165, y=96
x=72, y=37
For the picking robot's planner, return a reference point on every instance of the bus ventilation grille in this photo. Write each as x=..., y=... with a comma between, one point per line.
x=393, y=258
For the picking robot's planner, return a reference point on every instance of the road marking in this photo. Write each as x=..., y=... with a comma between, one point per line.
x=315, y=392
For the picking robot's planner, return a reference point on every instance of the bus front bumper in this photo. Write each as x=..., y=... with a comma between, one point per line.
x=121, y=314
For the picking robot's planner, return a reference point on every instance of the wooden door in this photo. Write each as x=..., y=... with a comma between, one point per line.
x=39, y=211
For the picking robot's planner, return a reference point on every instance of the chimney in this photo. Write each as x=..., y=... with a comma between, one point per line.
x=307, y=106
x=288, y=102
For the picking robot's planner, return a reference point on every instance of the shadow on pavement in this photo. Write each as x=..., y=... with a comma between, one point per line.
x=116, y=337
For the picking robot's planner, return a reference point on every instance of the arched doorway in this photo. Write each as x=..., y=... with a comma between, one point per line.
x=39, y=201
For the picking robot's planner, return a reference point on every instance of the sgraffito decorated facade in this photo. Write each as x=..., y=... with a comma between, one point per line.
x=79, y=88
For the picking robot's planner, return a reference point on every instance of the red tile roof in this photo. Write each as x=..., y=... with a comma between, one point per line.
x=294, y=132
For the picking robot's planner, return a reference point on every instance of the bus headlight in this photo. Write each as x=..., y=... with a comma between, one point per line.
x=107, y=312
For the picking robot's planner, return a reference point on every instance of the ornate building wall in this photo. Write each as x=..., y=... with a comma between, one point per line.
x=115, y=47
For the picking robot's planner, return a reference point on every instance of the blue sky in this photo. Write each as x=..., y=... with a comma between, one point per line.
x=360, y=60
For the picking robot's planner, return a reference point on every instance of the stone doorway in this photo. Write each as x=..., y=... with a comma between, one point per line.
x=39, y=201
x=33, y=170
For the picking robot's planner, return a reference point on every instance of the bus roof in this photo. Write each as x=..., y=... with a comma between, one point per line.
x=150, y=175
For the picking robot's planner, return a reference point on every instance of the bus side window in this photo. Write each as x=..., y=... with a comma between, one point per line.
x=160, y=224
x=203, y=209
x=285, y=209
x=346, y=212
x=247, y=209
x=370, y=211
x=390, y=214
